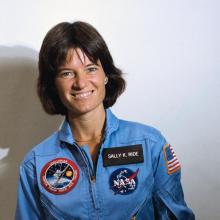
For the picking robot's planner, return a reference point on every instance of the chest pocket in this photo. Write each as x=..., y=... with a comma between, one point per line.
x=128, y=183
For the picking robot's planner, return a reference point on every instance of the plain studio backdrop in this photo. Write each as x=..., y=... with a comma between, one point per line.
x=169, y=50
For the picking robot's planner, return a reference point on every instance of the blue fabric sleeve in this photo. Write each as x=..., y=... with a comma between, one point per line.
x=28, y=203
x=168, y=197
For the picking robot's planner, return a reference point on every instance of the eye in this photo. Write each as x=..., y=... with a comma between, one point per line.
x=66, y=74
x=91, y=69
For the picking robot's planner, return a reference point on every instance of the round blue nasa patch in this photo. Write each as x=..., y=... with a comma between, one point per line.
x=123, y=181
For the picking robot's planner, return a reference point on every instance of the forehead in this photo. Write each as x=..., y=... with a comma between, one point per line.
x=76, y=56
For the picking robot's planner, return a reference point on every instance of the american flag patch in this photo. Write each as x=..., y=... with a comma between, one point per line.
x=172, y=162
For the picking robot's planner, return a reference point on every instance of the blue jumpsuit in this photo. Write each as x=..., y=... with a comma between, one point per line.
x=137, y=177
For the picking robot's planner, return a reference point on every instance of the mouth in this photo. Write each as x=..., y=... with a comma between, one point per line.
x=82, y=95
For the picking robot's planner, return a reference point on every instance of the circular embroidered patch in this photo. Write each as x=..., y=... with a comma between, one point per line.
x=59, y=175
x=123, y=181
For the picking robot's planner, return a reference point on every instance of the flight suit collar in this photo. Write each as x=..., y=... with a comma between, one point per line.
x=65, y=133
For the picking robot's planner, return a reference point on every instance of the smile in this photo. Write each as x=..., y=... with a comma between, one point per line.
x=83, y=95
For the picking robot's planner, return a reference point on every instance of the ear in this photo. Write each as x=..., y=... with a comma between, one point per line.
x=106, y=80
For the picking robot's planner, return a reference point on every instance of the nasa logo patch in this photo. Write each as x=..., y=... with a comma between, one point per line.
x=123, y=181
x=59, y=175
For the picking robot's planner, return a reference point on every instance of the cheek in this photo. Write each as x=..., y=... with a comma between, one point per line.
x=101, y=86
x=103, y=91
x=61, y=86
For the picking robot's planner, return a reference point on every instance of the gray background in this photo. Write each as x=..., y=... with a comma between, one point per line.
x=169, y=50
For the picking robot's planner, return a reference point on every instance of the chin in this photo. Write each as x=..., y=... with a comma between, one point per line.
x=81, y=111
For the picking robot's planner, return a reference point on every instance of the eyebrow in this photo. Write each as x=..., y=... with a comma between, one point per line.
x=92, y=64
x=88, y=65
x=62, y=69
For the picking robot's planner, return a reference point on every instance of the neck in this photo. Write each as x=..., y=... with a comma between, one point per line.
x=87, y=126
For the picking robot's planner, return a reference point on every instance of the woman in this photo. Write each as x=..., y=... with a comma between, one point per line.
x=95, y=166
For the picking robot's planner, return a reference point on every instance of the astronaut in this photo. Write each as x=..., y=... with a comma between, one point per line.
x=96, y=166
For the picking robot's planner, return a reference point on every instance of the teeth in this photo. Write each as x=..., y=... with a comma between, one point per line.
x=83, y=95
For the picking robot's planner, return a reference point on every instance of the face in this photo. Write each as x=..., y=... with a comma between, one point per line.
x=80, y=84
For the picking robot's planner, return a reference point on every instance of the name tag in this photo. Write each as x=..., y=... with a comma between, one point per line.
x=122, y=155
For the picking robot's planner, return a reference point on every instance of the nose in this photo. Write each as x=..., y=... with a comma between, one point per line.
x=79, y=82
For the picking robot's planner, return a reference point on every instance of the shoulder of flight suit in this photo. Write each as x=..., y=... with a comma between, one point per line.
x=135, y=130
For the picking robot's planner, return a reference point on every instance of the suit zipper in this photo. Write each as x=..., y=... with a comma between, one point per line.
x=90, y=170
x=91, y=175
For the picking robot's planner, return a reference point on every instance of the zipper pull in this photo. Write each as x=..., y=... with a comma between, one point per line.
x=93, y=178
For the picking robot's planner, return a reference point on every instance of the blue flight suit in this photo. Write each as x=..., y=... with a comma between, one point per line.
x=115, y=189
